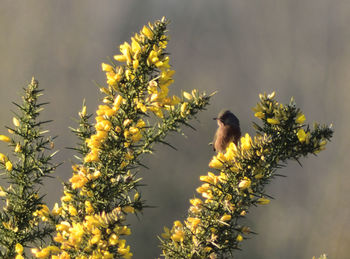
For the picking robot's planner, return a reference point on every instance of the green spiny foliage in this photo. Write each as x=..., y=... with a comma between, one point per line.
x=25, y=219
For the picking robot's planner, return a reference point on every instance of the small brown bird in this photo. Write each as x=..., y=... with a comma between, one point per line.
x=227, y=131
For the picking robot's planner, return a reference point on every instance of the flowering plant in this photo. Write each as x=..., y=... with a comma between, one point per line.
x=137, y=112
x=214, y=226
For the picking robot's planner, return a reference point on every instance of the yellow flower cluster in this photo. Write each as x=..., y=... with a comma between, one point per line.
x=3, y=159
x=274, y=113
x=231, y=160
x=229, y=157
x=19, y=251
x=103, y=126
x=6, y=162
x=178, y=232
x=270, y=110
x=132, y=133
x=144, y=53
x=82, y=175
x=215, y=193
x=96, y=229
x=43, y=213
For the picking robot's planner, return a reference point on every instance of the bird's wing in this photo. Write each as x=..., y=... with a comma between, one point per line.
x=214, y=140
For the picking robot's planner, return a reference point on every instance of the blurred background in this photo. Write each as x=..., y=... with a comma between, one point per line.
x=239, y=48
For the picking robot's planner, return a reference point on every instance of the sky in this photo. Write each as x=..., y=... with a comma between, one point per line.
x=239, y=48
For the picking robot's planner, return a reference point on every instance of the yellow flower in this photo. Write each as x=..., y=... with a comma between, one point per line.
x=19, y=248
x=244, y=184
x=92, y=156
x=300, y=118
x=135, y=64
x=127, y=122
x=135, y=46
x=96, y=175
x=67, y=197
x=142, y=107
x=178, y=236
x=78, y=180
x=271, y=95
x=18, y=148
x=8, y=166
x=222, y=177
x=113, y=239
x=273, y=121
x=259, y=115
x=246, y=142
x=96, y=238
x=204, y=188
x=19, y=257
x=72, y=210
x=2, y=192
x=301, y=135
x=129, y=209
x=196, y=202
x=3, y=158
x=107, y=67
x=263, y=201
x=184, y=109
x=152, y=58
x=230, y=153
x=103, y=125
x=226, y=217
x=239, y=238
x=188, y=96
x=210, y=178
x=147, y=32
x=5, y=138
x=88, y=207
x=15, y=121
x=178, y=224
x=124, y=231
x=157, y=111
x=120, y=58
x=126, y=50
x=193, y=223
x=215, y=163
x=56, y=210
x=124, y=251
x=41, y=254
x=112, y=78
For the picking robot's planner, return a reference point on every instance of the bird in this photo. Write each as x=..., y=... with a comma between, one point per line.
x=228, y=131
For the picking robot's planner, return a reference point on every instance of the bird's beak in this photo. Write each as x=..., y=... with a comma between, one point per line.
x=215, y=119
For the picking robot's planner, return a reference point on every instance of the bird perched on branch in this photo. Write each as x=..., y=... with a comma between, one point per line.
x=227, y=131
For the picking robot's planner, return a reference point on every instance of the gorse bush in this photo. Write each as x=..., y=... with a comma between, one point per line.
x=90, y=221
x=214, y=228
x=25, y=219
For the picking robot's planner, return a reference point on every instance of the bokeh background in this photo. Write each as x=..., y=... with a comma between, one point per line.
x=240, y=48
